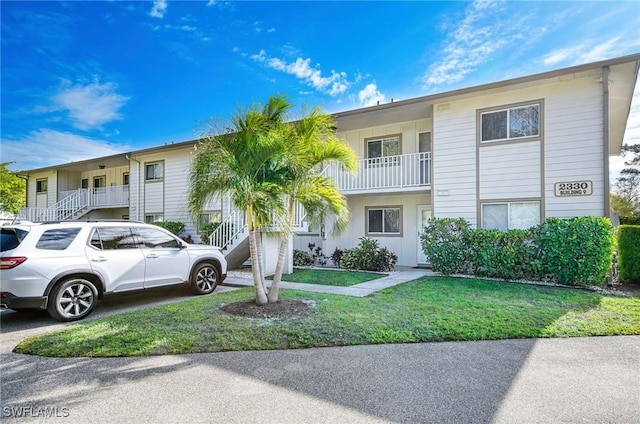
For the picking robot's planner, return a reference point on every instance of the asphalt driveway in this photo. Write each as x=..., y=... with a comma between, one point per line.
x=581, y=380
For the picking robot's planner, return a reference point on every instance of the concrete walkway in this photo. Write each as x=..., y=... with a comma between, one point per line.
x=402, y=275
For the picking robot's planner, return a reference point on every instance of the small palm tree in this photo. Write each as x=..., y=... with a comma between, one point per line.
x=312, y=144
x=245, y=162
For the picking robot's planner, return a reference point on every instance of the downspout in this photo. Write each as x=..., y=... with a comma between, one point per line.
x=606, y=140
x=131, y=158
x=26, y=191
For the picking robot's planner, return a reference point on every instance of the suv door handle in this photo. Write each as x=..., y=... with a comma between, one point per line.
x=152, y=256
x=99, y=259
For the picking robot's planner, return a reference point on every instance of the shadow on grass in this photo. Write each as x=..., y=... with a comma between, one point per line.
x=421, y=382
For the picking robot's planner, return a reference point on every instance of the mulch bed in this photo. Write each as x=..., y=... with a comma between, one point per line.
x=281, y=309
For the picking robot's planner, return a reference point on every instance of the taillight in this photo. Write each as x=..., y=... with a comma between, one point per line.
x=11, y=261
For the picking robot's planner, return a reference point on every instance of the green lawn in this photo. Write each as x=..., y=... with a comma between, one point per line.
x=425, y=310
x=330, y=277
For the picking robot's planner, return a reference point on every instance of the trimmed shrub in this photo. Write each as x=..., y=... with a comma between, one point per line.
x=445, y=241
x=630, y=220
x=506, y=255
x=629, y=253
x=301, y=258
x=174, y=227
x=576, y=250
x=368, y=256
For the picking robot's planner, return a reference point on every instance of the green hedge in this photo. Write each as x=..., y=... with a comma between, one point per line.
x=368, y=256
x=445, y=241
x=567, y=251
x=175, y=227
x=576, y=250
x=629, y=253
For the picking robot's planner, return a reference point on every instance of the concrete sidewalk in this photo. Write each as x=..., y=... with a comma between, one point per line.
x=243, y=279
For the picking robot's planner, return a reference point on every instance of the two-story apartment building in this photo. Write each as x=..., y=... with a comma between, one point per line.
x=502, y=155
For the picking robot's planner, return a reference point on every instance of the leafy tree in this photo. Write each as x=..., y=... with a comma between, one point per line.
x=12, y=190
x=626, y=201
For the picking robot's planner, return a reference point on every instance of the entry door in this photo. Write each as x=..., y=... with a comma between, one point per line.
x=424, y=213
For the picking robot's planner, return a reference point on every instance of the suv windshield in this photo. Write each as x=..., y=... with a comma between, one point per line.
x=10, y=238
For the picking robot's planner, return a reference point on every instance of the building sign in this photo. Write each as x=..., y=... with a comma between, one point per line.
x=573, y=188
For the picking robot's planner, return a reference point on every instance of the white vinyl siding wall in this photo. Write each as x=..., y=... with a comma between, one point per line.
x=170, y=196
x=510, y=170
x=574, y=146
x=406, y=247
x=454, y=160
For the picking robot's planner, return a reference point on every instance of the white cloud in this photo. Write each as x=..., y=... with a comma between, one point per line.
x=90, y=106
x=211, y=3
x=484, y=31
x=46, y=147
x=159, y=9
x=334, y=84
x=370, y=96
x=584, y=52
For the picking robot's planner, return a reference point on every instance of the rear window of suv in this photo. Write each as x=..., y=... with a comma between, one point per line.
x=58, y=239
x=10, y=238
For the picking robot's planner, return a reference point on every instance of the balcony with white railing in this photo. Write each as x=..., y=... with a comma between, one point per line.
x=103, y=197
x=410, y=172
x=75, y=203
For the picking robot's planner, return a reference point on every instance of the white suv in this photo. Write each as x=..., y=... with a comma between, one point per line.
x=65, y=267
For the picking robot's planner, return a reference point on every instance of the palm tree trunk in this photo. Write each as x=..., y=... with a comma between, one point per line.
x=282, y=253
x=260, y=259
x=258, y=284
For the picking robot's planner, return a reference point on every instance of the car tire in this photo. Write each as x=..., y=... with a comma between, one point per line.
x=72, y=299
x=204, y=278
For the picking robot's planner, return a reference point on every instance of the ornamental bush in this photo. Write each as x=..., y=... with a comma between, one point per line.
x=368, y=256
x=174, y=227
x=629, y=253
x=445, y=241
x=507, y=255
x=576, y=250
x=567, y=251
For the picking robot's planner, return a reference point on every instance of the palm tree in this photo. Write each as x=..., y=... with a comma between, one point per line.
x=245, y=162
x=312, y=143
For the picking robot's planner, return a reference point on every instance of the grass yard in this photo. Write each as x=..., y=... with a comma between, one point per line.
x=330, y=277
x=424, y=310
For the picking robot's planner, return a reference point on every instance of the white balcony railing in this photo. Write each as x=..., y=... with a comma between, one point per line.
x=104, y=196
x=389, y=172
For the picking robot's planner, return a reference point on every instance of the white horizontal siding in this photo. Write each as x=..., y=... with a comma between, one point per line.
x=454, y=167
x=406, y=247
x=574, y=147
x=510, y=171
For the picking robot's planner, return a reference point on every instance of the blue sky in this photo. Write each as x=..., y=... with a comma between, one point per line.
x=89, y=79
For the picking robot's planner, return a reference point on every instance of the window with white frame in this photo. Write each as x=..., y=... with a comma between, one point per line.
x=154, y=171
x=384, y=221
x=150, y=218
x=510, y=215
x=379, y=149
x=42, y=185
x=509, y=124
x=208, y=217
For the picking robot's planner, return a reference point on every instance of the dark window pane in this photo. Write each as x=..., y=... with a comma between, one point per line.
x=392, y=220
x=524, y=121
x=10, y=238
x=374, y=149
x=153, y=238
x=58, y=239
x=116, y=238
x=375, y=220
x=494, y=125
